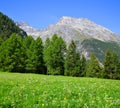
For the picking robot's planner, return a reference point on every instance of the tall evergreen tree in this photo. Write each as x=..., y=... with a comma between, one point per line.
x=47, y=51
x=54, y=55
x=34, y=62
x=111, y=65
x=27, y=42
x=93, y=68
x=83, y=66
x=1, y=40
x=77, y=68
x=108, y=65
x=115, y=65
x=72, y=62
x=12, y=54
x=117, y=74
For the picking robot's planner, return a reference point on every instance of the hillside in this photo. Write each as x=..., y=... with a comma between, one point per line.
x=98, y=47
x=79, y=30
x=7, y=27
x=37, y=91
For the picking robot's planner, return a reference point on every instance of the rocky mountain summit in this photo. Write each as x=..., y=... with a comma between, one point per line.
x=69, y=27
x=29, y=30
x=88, y=28
x=88, y=36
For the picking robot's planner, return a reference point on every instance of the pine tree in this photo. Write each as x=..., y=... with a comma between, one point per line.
x=115, y=65
x=12, y=54
x=83, y=66
x=117, y=74
x=93, y=68
x=72, y=62
x=77, y=69
x=46, y=53
x=108, y=65
x=54, y=55
x=59, y=55
x=1, y=40
x=26, y=45
x=34, y=62
x=112, y=65
x=27, y=42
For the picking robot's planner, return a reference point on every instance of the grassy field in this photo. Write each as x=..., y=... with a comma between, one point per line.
x=40, y=91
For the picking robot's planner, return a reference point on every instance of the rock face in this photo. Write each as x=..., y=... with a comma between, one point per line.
x=29, y=30
x=84, y=32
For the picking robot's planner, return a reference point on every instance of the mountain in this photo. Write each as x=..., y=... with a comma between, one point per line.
x=7, y=27
x=88, y=36
x=29, y=30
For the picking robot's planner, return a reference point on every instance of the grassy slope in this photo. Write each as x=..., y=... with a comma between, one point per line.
x=36, y=91
x=99, y=48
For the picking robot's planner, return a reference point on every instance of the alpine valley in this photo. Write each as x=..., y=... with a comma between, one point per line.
x=88, y=36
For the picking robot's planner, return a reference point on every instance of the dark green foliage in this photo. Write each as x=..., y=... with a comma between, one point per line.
x=12, y=54
x=54, y=51
x=93, y=67
x=72, y=62
x=8, y=27
x=70, y=59
x=34, y=62
x=112, y=65
x=26, y=45
x=118, y=71
x=77, y=69
x=1, y=40
x=27, y=42
x=83, y=66
x=108, y=65
x=46, y=53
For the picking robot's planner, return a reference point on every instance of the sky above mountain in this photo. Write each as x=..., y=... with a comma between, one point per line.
x=41, y=13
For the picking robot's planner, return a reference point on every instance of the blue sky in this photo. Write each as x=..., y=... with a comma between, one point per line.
x=41, y=13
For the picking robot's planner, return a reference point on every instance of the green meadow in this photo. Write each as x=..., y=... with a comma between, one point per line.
x=46, y=91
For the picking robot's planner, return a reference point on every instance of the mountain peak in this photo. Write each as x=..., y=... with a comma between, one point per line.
x=87, y=27
x=74, y=28
x=25, y=26
x=67, y=18
x=71, y=20
x=86, y=34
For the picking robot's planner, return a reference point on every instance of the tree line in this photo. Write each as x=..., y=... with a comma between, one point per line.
x=54, y=57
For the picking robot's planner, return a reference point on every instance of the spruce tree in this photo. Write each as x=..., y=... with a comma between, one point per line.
x=77, y=69
x=93, y=67
x=27, y=42
x=12, y=54
x=117, y=74
x=54, y=51
x=115, y=65
x=46, y=53
x=108, y=65
x=112, y=65
x=72, y=62
x=34, y=62
x=83, y=66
